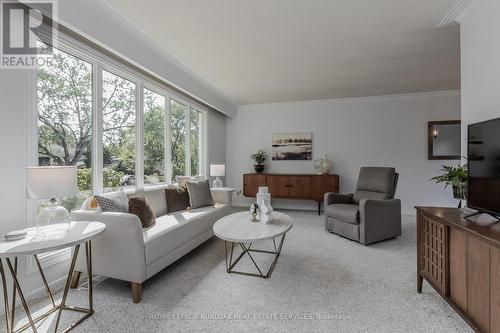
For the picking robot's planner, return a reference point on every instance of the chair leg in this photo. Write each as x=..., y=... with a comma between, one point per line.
x=75, y=279
x=136, y=291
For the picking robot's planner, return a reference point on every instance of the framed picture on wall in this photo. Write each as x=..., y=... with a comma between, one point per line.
x=292, y=146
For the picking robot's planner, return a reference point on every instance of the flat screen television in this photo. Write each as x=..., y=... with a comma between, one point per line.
x=483, y=153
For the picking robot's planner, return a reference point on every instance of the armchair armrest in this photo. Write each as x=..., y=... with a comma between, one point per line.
x=119, y=253
x=337, y=198
x=379, y=220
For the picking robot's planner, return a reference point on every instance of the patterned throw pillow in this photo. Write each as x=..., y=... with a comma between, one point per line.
x=199, y=194
x=177, y=199
x=141, y=207
x=113, y=201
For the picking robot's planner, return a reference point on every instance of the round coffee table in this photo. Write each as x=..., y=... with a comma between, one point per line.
x=239, y=229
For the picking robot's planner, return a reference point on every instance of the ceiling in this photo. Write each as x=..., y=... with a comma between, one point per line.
x=262, y=51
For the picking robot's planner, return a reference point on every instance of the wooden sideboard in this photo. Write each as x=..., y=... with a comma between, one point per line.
x=461, y=260
x=292, y=186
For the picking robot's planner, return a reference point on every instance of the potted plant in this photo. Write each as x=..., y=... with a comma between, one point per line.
x=456, y=177
x=259, y=158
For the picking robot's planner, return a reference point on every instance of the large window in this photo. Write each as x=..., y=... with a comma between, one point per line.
x=154, y=137
x=119, y=144
x=178, y=138
x=64, y=95
x=119, y=127
x=195, y=119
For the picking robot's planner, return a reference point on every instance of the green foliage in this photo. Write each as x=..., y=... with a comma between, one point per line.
x=259, y=157
x=452, y=175
x=178, y=138
x=84, y=178
x=112, y=178
x=154, y=134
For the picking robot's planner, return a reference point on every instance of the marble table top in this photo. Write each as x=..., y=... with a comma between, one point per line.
x=52, y=238
x=239, y=228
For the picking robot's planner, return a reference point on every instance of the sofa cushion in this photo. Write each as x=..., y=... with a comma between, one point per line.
x=173, y=230
x=156, y=198
x=199, y=194
x=344, y=212
x=140, y=206
x=113, y=201
x=177, y=199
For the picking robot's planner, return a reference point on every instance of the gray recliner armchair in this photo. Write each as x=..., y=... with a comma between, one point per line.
x=369, y=215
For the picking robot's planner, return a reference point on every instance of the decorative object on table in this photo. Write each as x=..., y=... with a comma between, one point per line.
x=292, y=146
x=457, y=178
x=263, y=194
x=322, y=165
x=217, y=170
x=259, y=158
x=254, y=212
x=51, y=182
x=266, y=211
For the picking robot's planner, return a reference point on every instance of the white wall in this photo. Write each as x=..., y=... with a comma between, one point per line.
x=14, y=110
x=480, y=65
x=372, y=131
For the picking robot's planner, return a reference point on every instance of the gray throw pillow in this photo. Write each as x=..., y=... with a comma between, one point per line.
x=199, y=194
x=113, y=201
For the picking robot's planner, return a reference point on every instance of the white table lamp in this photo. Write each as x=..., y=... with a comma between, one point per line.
x=51, y=182
x=217, y=170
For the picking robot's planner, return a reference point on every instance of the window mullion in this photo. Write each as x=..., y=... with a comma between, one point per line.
x=187, y=153
x=97, y=129
x=168, y=139
x=139, y=139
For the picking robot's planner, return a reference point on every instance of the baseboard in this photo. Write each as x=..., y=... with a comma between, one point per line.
x=246, y=205
x=55, y=286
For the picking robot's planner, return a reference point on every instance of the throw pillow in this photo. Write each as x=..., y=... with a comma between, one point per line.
x=182, y=180
x=199, y=194
x=141, y=207
x=113, y=201
x=177, y=199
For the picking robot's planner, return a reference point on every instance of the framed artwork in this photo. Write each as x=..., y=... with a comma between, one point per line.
x=292, y=146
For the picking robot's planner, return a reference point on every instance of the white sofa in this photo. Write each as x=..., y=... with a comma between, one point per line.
x=128, y=252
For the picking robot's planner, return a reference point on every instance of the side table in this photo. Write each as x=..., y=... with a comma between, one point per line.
x=49, y=238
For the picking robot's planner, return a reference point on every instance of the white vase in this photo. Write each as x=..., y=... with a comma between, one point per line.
x=266, y=212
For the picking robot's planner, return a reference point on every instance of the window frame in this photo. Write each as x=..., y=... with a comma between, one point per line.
x=101, y=62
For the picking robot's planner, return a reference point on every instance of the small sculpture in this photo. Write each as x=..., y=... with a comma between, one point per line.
x=266, y=212
x=322, y=165
x=254, y=211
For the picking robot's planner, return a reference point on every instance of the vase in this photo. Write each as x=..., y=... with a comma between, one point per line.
x=322, y=165
x=460, y=191
x=259, y=167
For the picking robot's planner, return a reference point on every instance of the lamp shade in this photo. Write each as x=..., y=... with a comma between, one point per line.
x=217, y=170
x=51, y=182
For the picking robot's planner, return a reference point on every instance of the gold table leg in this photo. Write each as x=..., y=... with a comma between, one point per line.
x=62, y=306
x=246, y=250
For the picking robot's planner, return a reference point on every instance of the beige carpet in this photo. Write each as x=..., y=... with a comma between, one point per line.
x=321, y=283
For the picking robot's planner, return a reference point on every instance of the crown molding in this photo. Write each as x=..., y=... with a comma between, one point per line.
x=458, y=12
x=361, y=98
x=115, y=15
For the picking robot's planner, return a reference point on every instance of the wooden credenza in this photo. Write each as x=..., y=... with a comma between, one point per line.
x=461, y=260
x=291, y=186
